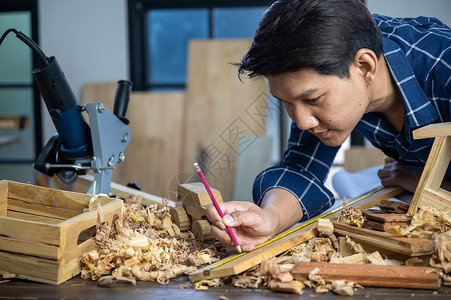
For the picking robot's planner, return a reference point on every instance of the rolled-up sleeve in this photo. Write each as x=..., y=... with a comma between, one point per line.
x=302, y=171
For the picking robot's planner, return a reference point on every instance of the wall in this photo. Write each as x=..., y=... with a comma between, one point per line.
x=440, y=9
x=90, y=40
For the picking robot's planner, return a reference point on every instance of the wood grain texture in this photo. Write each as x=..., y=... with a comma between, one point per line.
x=428, y=191
x=404, y=245
x=373, y=275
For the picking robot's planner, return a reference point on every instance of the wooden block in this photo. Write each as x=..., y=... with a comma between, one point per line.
x=390, y=206
x=180, y=218
x=408, y=246
x=381, y=221
x=196, y=212
x=196, y=194
x=202, y=230
x=373, y=275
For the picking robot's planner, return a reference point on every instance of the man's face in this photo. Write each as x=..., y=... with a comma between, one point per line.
x=327, y=106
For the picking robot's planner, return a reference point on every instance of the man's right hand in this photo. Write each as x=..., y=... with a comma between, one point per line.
x=253, y=225
x=250, y=224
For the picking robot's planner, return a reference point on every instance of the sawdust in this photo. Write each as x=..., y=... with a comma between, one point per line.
x=146, y=246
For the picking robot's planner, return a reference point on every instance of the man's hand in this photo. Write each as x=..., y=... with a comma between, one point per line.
x=253, y=225
x=395, y=174
x=250, y=224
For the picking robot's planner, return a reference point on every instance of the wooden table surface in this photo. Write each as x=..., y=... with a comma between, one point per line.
x=77, y=288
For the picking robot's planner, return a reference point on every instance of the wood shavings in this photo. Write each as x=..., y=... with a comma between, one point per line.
x=146, y=246
x=205, y=284
x=442, y=255
x=343, y=288
x=351, y=215
x=113, y=280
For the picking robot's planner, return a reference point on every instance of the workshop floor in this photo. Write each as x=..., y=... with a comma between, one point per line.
x=180, y=288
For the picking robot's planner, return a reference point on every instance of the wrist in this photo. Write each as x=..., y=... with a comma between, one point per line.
x=282, y=207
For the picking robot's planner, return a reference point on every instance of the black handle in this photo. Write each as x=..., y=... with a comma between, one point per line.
x=124, y=88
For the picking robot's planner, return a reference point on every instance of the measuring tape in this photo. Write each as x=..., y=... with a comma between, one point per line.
x=363, y=196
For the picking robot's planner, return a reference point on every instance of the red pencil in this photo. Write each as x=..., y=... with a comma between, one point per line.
x=215, y=203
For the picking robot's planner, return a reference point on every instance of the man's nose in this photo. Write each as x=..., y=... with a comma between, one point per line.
x=305, y=120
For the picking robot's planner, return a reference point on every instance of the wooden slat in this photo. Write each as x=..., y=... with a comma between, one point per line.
x=433, y=172
x=432, y=130
x=404, y=245
x=373, y=275
x=42, y=210
x=30, y=248
x=238, y=263
x=27, y=267
x=33, y=217
x=30, y=230
x=47, y=196
x=3, y=197
x=83, y=183
x=436, y=198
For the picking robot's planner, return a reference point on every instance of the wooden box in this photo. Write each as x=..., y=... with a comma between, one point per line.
x=44, y=232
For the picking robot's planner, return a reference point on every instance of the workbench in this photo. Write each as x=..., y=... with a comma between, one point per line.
x=180, y=288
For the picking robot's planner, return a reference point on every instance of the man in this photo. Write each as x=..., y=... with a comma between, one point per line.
x=335, y=68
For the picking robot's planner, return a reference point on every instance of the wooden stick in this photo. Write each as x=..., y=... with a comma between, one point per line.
x=407, y=246
x=373, y=275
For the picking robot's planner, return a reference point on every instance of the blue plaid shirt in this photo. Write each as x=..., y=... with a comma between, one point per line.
x=418, y=53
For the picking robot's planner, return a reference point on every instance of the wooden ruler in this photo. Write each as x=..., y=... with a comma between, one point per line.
x=236, y=264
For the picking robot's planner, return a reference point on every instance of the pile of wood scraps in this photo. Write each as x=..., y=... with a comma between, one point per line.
x=146, y=246
x=190, y=213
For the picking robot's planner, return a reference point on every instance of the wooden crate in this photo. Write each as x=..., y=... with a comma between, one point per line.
x=40, y=230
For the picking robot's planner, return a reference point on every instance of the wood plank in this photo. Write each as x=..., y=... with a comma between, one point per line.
x=219, y=110
x=40, y=269
x=48, y=196
x=33, y=217
x=236, y=264
x=30, y=230
x=381, y=221
x=432, y=130
x=404, y=245
x=373, y=275
x=30, y=248
x=440, y=198
x=3, y=197
x=434, y=171
x=83, y=183
x=42, y=210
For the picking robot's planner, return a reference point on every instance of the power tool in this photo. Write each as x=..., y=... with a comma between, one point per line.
x=78, y=147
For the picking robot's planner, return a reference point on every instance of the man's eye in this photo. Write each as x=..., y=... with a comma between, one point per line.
x=312, y=100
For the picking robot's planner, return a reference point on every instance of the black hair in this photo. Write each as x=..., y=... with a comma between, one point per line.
x=323, y=35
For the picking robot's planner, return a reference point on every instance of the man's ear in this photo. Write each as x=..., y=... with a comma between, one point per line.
x=366, y=62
